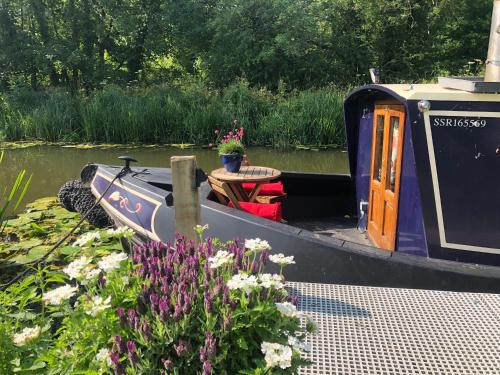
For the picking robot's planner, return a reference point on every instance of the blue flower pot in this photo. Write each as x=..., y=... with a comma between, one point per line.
x=232, y=162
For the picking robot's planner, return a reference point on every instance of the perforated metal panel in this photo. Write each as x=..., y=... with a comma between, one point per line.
x=365, y=330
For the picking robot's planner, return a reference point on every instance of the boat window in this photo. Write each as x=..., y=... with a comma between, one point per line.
x=393, y=150
x=379, y=142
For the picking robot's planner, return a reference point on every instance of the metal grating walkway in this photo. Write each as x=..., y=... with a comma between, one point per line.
x=366, y=330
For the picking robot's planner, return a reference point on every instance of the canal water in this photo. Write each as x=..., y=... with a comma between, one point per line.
x=52, y=166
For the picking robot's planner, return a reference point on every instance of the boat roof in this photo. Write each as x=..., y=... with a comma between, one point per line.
x=435, y=92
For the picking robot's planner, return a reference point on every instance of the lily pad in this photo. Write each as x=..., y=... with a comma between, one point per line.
x=37, y=252
x=26, y=245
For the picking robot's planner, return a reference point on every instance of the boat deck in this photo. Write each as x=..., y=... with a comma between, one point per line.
x=342, y=228
x=367, y=330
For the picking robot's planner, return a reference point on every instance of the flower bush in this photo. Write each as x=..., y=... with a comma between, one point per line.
x=167, y=309
x=231, y=143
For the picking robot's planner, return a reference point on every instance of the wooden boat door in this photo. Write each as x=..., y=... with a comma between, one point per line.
x=387, y=147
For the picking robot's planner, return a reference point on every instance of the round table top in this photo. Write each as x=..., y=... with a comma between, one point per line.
x=247, y=174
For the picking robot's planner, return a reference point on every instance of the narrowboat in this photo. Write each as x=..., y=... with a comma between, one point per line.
x=420, y=207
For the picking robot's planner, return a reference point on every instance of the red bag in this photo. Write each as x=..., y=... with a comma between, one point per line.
x=271, y=211
x=272, y=188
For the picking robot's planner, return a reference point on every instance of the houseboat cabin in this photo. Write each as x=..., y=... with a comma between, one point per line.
x=426, y=165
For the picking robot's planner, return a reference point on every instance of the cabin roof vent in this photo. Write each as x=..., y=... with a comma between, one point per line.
x=491, y=81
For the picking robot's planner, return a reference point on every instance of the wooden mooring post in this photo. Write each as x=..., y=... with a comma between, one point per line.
x=186, y=195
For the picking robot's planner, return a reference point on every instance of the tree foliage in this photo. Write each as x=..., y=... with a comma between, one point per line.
x=85, y=44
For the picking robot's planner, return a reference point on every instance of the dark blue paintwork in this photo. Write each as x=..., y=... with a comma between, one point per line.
x=137, y=210
x=363, y=163
x=410, y=237
x=486, y=200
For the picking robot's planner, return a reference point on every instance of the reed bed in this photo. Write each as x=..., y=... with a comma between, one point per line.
x=173, y=114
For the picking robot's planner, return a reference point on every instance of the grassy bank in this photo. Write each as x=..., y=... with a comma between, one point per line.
x=174, y=114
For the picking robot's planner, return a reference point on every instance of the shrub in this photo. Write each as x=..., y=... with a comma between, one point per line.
x=172, y=309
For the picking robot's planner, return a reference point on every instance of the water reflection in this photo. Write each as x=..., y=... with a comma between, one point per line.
x=52, y=165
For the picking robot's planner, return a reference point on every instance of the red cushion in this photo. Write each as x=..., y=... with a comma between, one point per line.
x=272, y=188
x=271, y=211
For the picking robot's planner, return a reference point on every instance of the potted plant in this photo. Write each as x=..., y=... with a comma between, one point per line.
x=231, y=150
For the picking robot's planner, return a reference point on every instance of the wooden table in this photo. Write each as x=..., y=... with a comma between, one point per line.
x=251, y=174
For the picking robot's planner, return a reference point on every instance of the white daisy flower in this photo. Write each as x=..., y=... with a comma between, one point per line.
x=271, y=281
x=26, y=335
x=277, y=355
x=88, y=239
x=98, y=304
x=287, y=309
x=89, y=274
x=75, y=268
x=222, y=257
x=111, y=261
x=243, y=282
x=295, y=343
x=119, y=232
x=103, y=357
x=281, y=259
x=256, y=245
x=56, y=296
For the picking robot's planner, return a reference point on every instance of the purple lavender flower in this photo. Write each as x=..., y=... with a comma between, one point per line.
x=164, y=309
x=132, y=352
x=207, y=368
x=168, y=364
x=210, y=345
x=177, y=312
x=186, y=308
x=203, y=354
x=225, y=295
x=120, y=311
x=154, y=299
x=181, y=348
x=208, y=301
x=146, y=330
x=115, y=358
x=219, y=284
x=118, y=345
x=101, y=282
x=254, y=267
x=264, y=257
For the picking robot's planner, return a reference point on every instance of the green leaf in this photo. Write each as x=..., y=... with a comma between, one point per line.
x=37, y=252
x=69, y=250
x=242, y=343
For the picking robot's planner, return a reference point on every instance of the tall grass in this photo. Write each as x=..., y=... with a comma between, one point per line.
x=12, y=196
x=187, y=113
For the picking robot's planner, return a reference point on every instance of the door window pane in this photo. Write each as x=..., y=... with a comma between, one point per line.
x=393, y=152
x=379, y=142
